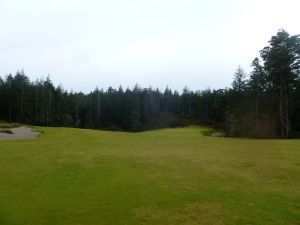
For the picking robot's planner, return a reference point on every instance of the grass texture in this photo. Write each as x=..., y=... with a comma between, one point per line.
x=164, y=177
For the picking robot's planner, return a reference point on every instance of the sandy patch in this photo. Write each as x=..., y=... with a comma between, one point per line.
x=20, y=133
x=217, y=134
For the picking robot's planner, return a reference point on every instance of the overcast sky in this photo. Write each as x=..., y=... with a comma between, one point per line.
x=85, y=43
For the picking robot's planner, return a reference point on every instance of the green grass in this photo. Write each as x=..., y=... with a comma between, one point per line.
x=167, y=177
x=4, y=125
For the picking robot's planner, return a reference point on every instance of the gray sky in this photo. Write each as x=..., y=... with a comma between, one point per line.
x=85, y=43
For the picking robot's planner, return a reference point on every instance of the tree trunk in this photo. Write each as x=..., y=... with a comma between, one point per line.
x=281, y=113
x=21, y=105
x=287, y=115
x=49, y=108
x=10, y=112
x=77, y=116
x=36, y=105
x=98, y=109
x=284, y=110
x=189, y=106
x=256, y=114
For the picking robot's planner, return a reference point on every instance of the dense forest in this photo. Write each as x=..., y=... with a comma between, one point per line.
x=263, y=103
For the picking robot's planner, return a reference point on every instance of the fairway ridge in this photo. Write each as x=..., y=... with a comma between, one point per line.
x=166, y=177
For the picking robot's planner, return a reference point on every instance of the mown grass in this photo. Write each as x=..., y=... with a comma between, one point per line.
x=167, y=177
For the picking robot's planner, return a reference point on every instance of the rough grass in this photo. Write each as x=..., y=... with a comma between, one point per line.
x=4, y=125
x=5, y=131
x=167, y=177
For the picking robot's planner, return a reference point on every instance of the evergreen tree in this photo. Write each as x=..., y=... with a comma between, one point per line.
x=239, y=80
x=258, y=87
x=282, y=62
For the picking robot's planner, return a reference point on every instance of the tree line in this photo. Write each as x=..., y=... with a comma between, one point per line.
x=265, y=103
x=136, y=109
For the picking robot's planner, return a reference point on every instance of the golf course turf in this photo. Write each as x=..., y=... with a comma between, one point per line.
x=164, y=177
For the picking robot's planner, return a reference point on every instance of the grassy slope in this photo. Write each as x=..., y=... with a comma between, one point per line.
x=168, y=177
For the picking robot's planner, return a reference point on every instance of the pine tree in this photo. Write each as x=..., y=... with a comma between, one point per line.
x=282, y=62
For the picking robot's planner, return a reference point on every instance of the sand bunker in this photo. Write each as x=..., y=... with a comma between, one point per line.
x=217, y=134
x=20, y=133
